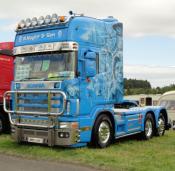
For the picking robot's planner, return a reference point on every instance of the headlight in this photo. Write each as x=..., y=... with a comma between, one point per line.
x=54, y=18
x=34, y=21
x=47, y=19
x=73, y=125
x=64, y=125
x=28, y=22
x=41, y=20
x=22, y=24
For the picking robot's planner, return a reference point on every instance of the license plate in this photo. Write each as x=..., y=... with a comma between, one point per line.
x=35, y=140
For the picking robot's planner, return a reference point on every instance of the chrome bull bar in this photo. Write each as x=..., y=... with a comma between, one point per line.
x=34, y=113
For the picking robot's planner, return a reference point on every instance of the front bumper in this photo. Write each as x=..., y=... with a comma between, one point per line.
x=50, y=137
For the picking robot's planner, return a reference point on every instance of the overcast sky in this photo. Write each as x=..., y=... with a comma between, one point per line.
x=149, y=29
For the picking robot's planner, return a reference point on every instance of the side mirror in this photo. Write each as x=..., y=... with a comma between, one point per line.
x=90, y=64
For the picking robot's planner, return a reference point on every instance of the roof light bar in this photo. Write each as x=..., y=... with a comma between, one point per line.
x=41, y=21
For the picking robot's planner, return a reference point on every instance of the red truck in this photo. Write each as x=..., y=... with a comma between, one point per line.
x=6, y=76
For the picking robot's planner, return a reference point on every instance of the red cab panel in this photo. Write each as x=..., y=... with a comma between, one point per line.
x=6, y=67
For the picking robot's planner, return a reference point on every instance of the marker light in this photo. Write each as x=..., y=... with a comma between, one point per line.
x=47, y=19
x=62, y=18
x=41, y=20
x=34, y=21
x=28, y=22
x=22, y=24
x=54, y=18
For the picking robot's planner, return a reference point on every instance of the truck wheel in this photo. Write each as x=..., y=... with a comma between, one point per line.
x=2, y=124
x=148, y=127
x=102, y=134
x=161, y=126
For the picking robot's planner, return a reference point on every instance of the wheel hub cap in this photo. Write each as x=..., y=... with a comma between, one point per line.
x=148, y=128
x=161, y=126
x=104, y=132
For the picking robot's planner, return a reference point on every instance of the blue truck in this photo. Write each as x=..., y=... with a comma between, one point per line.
x=68, y=85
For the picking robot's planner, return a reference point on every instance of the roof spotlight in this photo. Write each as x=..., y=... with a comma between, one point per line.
x=41, y=20
x=54, y=18
x=28, y=22
x=22, y=24
x=47, y=19
x=34, y=21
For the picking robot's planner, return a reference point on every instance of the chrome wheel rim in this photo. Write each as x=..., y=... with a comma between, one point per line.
x=148, y=128
x=161, y=126
x=104, y=132
x=0, y=125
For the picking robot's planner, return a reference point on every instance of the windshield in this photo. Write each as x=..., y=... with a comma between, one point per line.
x=50, y=66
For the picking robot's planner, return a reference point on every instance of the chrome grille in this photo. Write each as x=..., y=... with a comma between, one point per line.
x=39, y=102
x=32, y=102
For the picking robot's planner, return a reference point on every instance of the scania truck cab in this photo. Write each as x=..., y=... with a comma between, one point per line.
x=69, y=81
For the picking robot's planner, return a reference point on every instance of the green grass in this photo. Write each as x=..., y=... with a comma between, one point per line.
x=130, y=154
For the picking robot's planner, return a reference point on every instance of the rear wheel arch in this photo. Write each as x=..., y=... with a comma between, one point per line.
x=161, y=112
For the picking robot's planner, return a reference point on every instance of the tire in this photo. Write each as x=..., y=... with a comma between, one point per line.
x=103, y=132
x=149, y=126
x=2, y=124
x=160, y=131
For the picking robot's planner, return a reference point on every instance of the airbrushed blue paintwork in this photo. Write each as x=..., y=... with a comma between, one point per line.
x=133, y=114
x=101, y=92
x=105, y=38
